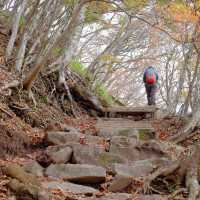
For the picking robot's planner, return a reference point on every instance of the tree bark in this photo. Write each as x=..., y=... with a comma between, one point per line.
x=15, y=27
x=28, y=82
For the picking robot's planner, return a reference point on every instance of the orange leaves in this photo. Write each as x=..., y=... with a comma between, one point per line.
x=181, y=12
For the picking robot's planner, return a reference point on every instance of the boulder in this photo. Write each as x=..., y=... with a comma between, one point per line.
x=61, y=137
x=133, y=149
x=79, y=173
x=108, y=159
x=119, y=183
x=125, y=196
x=135, y=170
x=127, y=132
x=86, y=154
x=124, y=132
x=113, y=196
x=24, y=191
x=125, y=147
x=17, y=172
x=125, y=173
x=152, y=197
x=59, y=154
x=70, y=187
x=34, y=168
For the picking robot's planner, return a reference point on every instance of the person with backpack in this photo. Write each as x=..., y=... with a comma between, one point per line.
x=150, y=79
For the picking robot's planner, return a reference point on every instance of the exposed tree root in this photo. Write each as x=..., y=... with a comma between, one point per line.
x=181, y=137
x=188, y=131
x=192, y=174
x=166, y=170
x=31, y=96
x=187, y=168
x=176, y=193
x=67, y=91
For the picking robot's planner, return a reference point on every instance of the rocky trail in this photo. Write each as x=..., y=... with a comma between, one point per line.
x=119, y=162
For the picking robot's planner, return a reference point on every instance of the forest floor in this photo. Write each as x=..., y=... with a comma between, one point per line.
x=23, y=139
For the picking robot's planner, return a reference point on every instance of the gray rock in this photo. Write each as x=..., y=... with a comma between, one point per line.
x=124, y=132
x=24, y=191
x=17, y=172
x=70, y=187
x=134, y=150
x=119, y=183
x=113, y=196
x=43, y=195
x=86, y=154
x=108, y=159
x=134, y=171
x=153, y=197
x=12, y=198
x=125, y=148
x=59, y=154
x=34, y=168
x=125, y=196
x=125, y=174
x=77, y=173
x=61, y=137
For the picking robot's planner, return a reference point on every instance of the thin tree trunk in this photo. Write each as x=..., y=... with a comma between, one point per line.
x=21, y=53
x=28, y=82
x=191, y=85
x=15, y=27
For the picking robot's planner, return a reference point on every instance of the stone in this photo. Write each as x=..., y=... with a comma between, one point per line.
x=24, y=191
x=124, y=132
x=61, y=137
x=125, y=148
x=152, y=197
x=108, y=159
x=125, y=196
x=34, y=168
x=12, y=198
x=119, y=183
x=86, y=154
x=113, y=196
x=135, y=170
x=43, y=195
x=79, y=173
x=59, y=154
x=134, y=150
x=17, y=172
x=70, y=187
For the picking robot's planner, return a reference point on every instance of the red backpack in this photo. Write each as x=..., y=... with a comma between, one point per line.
x=150, y=76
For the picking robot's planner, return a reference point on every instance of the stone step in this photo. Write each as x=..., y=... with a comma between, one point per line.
x=120, y=123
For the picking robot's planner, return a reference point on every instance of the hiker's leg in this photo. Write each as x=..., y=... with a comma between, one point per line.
x=148, y=91
x=153, y=94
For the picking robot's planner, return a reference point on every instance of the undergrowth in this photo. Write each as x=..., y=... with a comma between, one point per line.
x=99, y=90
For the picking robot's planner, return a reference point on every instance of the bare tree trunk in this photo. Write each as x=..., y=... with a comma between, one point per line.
x=28, y=82
x=191, y=85
x=114, y=44
x=192, y=182
x=15, y=27
x=21, y=53
x=31, y=25
x=173, y=107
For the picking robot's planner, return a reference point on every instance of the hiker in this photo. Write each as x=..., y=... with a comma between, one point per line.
x=150, y=78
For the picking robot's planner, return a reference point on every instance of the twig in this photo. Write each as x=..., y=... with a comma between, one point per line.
x=5, y=111
x=174, y=194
